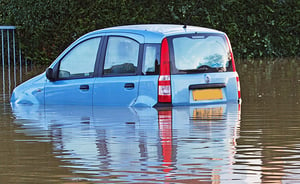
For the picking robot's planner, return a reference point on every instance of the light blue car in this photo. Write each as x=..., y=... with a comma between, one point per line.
x=139, y=65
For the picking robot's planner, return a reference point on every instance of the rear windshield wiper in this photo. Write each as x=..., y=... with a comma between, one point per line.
x=202, y=68
x=194, y=70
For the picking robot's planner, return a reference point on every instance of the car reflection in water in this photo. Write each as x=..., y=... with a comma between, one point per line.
x=194, y=143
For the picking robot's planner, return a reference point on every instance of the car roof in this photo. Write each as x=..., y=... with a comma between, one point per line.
x=154, y=33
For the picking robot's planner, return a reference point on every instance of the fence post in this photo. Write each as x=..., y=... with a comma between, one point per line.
x=3, y=63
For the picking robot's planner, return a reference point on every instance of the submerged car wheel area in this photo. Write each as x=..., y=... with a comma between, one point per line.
x=139, y=65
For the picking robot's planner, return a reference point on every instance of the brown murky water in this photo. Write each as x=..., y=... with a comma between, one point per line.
x=255, y=142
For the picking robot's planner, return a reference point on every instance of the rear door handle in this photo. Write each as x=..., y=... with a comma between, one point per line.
x=84, y=87
x=129, y=85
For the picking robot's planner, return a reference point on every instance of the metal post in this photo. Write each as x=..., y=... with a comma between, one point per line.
x=14, y=50
x=8, y=61
x=20, y=55
x=3, y=63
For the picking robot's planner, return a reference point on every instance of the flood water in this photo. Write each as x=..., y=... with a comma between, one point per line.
x=257, y=141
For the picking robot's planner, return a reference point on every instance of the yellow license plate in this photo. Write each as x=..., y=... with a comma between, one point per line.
x=207, y=94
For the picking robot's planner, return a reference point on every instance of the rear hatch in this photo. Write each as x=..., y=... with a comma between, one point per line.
x=202, y=69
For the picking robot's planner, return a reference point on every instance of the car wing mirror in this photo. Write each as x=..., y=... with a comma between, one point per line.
x=50, y=74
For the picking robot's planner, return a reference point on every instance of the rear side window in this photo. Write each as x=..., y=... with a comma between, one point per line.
x=121, y=57
x=200, y=53
x=151, y=59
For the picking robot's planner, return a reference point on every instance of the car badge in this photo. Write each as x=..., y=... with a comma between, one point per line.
x=207, y=78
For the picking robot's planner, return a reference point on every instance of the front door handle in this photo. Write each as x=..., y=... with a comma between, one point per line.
x=84, y=87
x=129, y=85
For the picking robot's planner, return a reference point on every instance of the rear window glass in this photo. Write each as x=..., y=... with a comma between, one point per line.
x=201, y=53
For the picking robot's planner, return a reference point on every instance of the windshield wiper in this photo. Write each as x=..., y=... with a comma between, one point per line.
x=202, y=68
x=193, y=70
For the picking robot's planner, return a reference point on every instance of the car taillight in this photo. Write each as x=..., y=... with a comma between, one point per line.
x=238, y=87
x=164, y=80
x=231, y=53
x=233, y=67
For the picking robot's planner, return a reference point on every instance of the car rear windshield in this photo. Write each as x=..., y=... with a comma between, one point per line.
x=200, y=53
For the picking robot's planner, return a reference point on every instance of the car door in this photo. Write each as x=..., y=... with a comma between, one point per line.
x=118, y=83
x=74, y=75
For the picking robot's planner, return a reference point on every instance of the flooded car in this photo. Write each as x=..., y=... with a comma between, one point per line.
x=139, y=65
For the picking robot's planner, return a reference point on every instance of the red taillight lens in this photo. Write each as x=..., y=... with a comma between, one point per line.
x=164, y=80
x=233, y=67
x=238, y=87
x=231, y=53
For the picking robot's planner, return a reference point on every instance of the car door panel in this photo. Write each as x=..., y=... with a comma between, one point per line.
x=71, y=92
x=116, y=91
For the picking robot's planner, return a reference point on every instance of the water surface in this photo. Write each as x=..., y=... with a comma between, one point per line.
x=255, y=142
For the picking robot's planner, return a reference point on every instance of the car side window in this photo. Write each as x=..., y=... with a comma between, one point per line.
x=80, y=61
x=121, y=56
x=151, y=59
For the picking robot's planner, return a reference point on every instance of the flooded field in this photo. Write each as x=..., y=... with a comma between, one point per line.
x=253, y=142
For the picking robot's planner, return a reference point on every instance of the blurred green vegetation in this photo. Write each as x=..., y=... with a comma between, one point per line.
x=265, y=28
